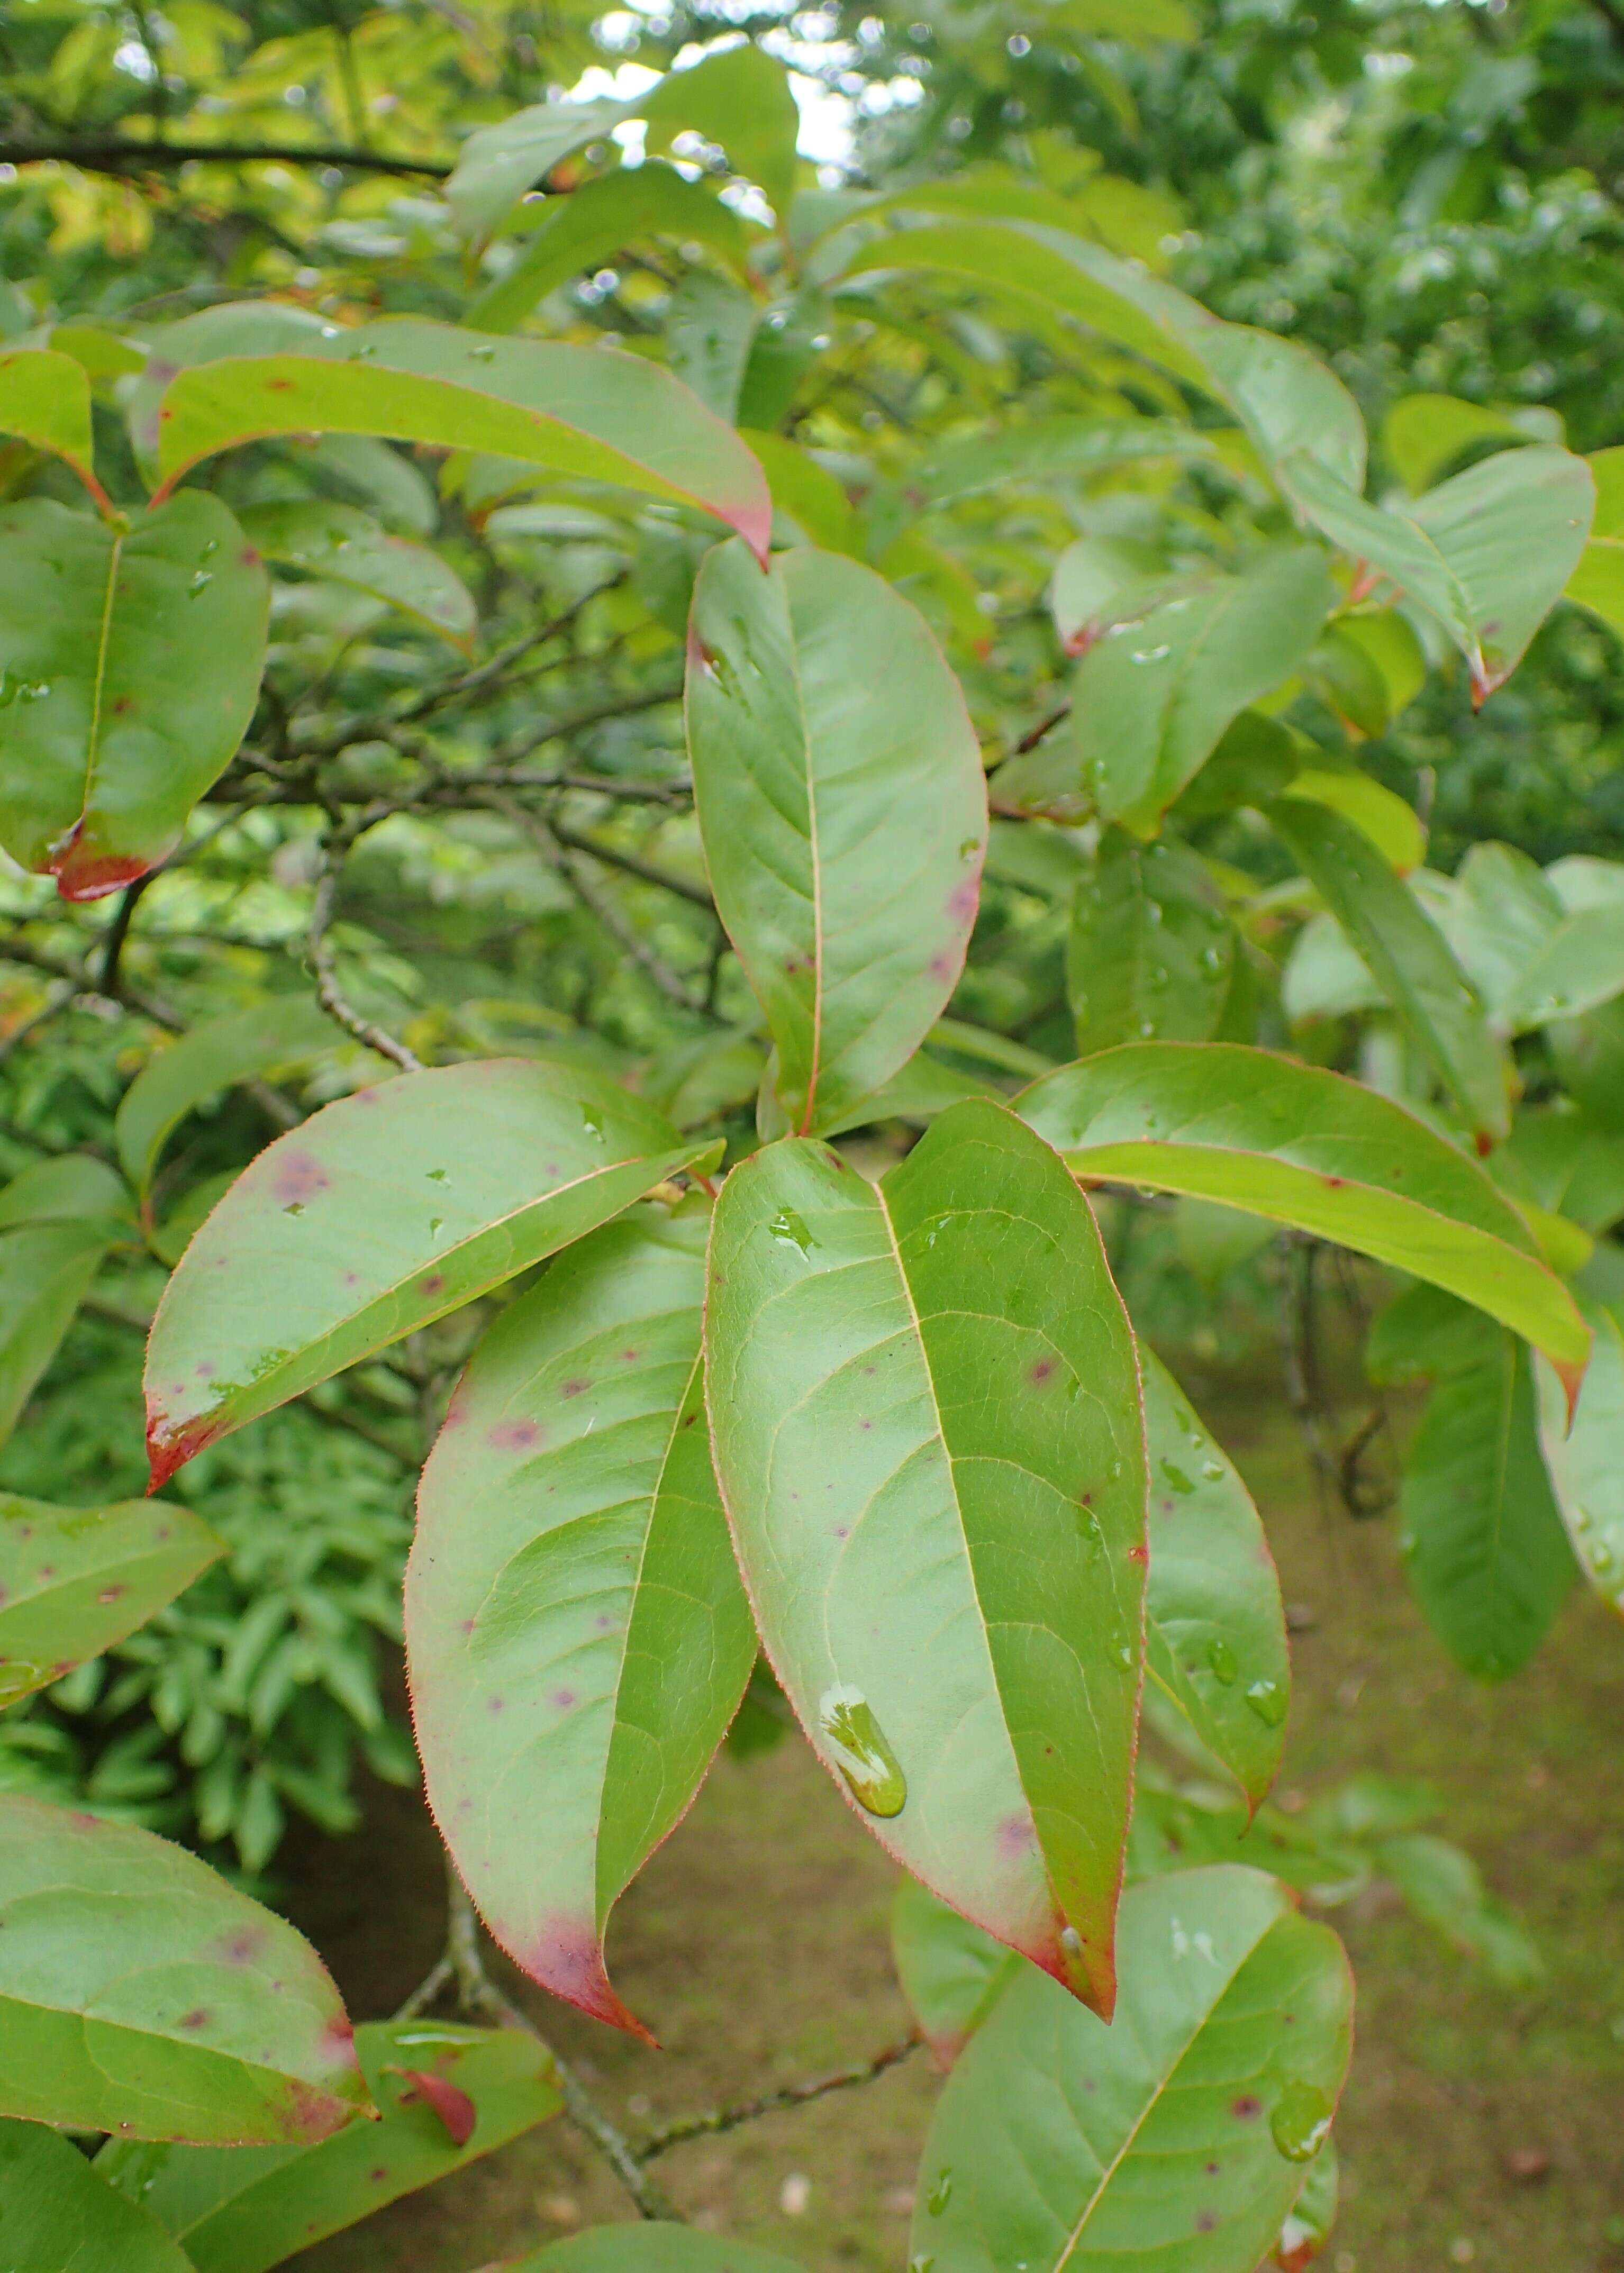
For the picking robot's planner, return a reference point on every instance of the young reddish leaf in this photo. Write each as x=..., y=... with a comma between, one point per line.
x=925, y=1405
x=844, y=813
x=132, y=660
x=455, y=2110
x=380, y=1213
x=577, y=1637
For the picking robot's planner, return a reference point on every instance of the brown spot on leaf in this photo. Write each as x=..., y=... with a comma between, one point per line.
x=514, y=1436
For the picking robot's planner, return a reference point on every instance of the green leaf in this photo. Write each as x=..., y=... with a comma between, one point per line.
x=1583, y=1461
x=129, y=669
x=1095, y=581
x=924, y=1409
x=241, y=328
x=1486, y=553
x=1180, y=2133
x=58, y=2217
x=1154, y=694
x=45, y=399
x=211, y=1057
x=242, y=2209
x=72, y=1184
x=644, y=2248
x=1566, y=1163
x=1307, y=2225
x=1407, y=955
x=497, y=164
x=949, y=1971
x=1580, y=966
x=739, y=98
x=1150, y=950
x=345, y=546
x=577, y=1637
x=1283, y=395
x=1597, y=582
x=843, y=809
x=1422, y=434
x=381, y=1212
x=1307, y=1148
x=581, y=232
x=1215, y=1639
x=1394, y=828
x=74, y=1580
x=1035, y=456
x=595, y=414
x=806, y=493
x=142, y=1995
x=709, y=328
x=1445, y=1889
x=46, y=1271
x=1489, y=1561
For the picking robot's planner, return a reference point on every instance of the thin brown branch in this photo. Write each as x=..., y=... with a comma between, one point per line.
x=697, y=895
x=772, y=2103
x=329, y=994
x=125, y=157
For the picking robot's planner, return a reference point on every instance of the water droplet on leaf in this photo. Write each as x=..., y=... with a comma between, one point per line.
x=1301, y=2119
x=1268, y=1701
x=790, y=1227
x=1220, y=1657
x=861, y=1753
x=1177, y=1478
x=941, y=2192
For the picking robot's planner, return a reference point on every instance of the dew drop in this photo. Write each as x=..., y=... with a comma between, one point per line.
x=861, y=1753
x=593, y=1121
x=1301, y=2119
x=210, y=549
x=1178, y=1479
x=1148, y=1027
x=482, y=354
x=438, y=1176
x=1267, y=1702
x=1079, y=1008
x=200, y=582
x=1211, y=958
x=435, y=1223
x=1220, y=1657
x=1093, y=1538
x=366, y=349
x=971, y=846
x=1148, y=654
x=1212, y=1471
x=922, y=2263
x=941, y=2186
x=790, y=1227
x=1118, y=1471
x=1601, y=1558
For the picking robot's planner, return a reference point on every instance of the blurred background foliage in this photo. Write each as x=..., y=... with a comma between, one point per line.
x=1427, y=194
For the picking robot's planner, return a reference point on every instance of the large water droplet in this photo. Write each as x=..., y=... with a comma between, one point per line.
x=941, y=2192
x=861, y=1753
x=1301, y=2119
x=1268, y=1701
x=1220, y=1657
x=790, y=1227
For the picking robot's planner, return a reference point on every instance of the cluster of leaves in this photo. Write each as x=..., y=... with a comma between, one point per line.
x=1023, y=796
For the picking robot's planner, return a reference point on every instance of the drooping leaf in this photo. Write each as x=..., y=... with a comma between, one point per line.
x=1407, y=955
x=58, y=2217
x=1283, y=395
x=844, y=813
x=577, y=1637
x=46, y=1271
x=142, y=1995
x=72, y=1184
x=645, y=2248
x=1215, y=1631
x=949, y=1971
x=381, y=1212
x=1488, y=1559
x=129, y=665
x=1442, y=1883
x=243, y=2209
x=1153, y=695
x=1180, y=2134
x=1150, y=950
x=582, y=231
x=1486, y=553
x=45, y=399
x=1305, y=1147
x=710, y=327
x=593, y=413
x=74, y=1580
x=211, y=1057
x=344, y=546
x=1584, y=1461
x=924, y=1409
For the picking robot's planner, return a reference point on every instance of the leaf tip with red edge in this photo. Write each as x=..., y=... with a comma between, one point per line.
x=567, y=1959
x=168, y=1449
